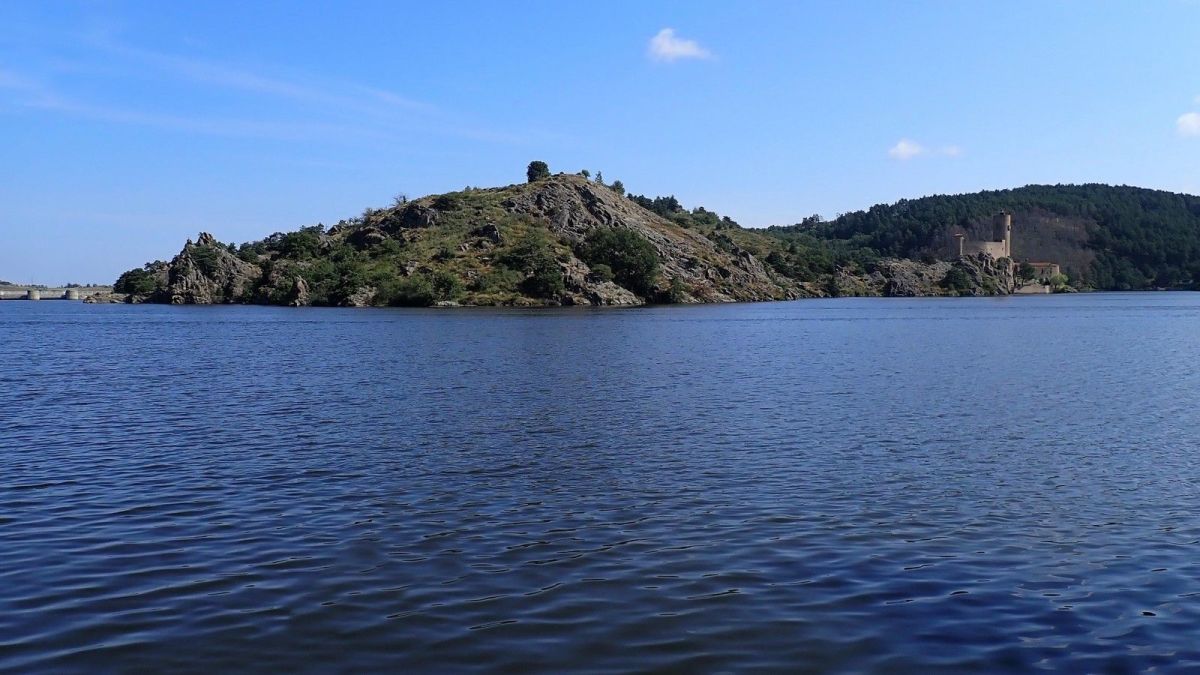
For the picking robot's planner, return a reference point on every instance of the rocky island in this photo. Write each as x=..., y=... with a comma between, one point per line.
x=555, y=240
x=567, y=239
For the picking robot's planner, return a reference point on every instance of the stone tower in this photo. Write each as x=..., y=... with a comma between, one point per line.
x=1002, y=231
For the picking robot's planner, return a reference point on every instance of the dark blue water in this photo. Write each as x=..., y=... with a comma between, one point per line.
x=919, y=486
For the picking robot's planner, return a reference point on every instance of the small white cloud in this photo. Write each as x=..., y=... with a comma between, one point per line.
x=666, y=46
x=906, y=149
x=1188, y=124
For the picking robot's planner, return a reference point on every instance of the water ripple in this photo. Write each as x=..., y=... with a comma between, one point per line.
x=853, y=485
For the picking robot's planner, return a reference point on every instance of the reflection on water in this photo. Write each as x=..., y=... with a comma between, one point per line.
x=886, y=485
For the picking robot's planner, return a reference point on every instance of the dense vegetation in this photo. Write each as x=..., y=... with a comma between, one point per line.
x=139, y=280
x=625, y=256
x=1140, y=238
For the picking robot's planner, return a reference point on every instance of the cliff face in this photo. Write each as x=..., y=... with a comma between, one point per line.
x=206, y=273
x=573, y=208
x=971, y=275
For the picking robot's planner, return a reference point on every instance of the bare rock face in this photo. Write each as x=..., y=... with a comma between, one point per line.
x=418, y=216
x=911, y=279
x=105, y=298
x=988, y=276
x=361, y=297
x=206, y=273
x=366, y=237
x=583, y=290
x=488, y=232
x=574, y=207
x=299, y=294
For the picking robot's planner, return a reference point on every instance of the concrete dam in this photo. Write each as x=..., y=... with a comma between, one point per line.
x=40, y=294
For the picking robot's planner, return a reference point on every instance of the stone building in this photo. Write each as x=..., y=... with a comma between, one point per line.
x=999, y=247
x=1044, y=271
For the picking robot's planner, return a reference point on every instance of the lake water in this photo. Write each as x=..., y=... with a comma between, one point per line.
x=888, y=485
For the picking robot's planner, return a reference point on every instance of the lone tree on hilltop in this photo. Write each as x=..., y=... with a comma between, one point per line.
x=585, y=173
x=538, y=170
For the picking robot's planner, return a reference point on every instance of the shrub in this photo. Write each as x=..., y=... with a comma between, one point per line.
x=136, y=281
x=420, y=290
x=534, y=257
x=414, y=291
x=546, y=281
x=499, y=280
x=677, y=292
x=601, y=272
x=205, y=258
x=448, y=202
x=631, y=257
x=956, y=280
x=537, y=170
x=446, y=285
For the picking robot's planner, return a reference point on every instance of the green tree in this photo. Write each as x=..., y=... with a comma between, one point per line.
x=601, y=272
x=600, y=177
x=1026, y=272
x=585, y=173
x=618, y=187
x=534, y=257
x=956, y=280
x=421, y=289
x=537, y=170
x=631, y=257
x=139, y=281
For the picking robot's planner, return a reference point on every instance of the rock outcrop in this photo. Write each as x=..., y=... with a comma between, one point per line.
x=894, y=277
x=206, y=273
x=574, y=207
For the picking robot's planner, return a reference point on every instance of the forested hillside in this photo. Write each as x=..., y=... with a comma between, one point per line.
x=1106, y=237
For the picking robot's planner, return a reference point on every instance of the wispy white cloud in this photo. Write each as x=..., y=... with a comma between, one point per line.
x=1188, y=124
x=202, y=71
x=212, y=126
x=667, y=46
x=314, y=108
x=906, y=149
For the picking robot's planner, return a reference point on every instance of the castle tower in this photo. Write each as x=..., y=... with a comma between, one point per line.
x=1002, y=231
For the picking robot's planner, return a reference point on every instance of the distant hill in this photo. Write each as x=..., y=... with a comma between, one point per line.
x=1105, y=237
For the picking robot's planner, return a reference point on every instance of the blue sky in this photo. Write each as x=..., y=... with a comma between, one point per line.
x=127, y=127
